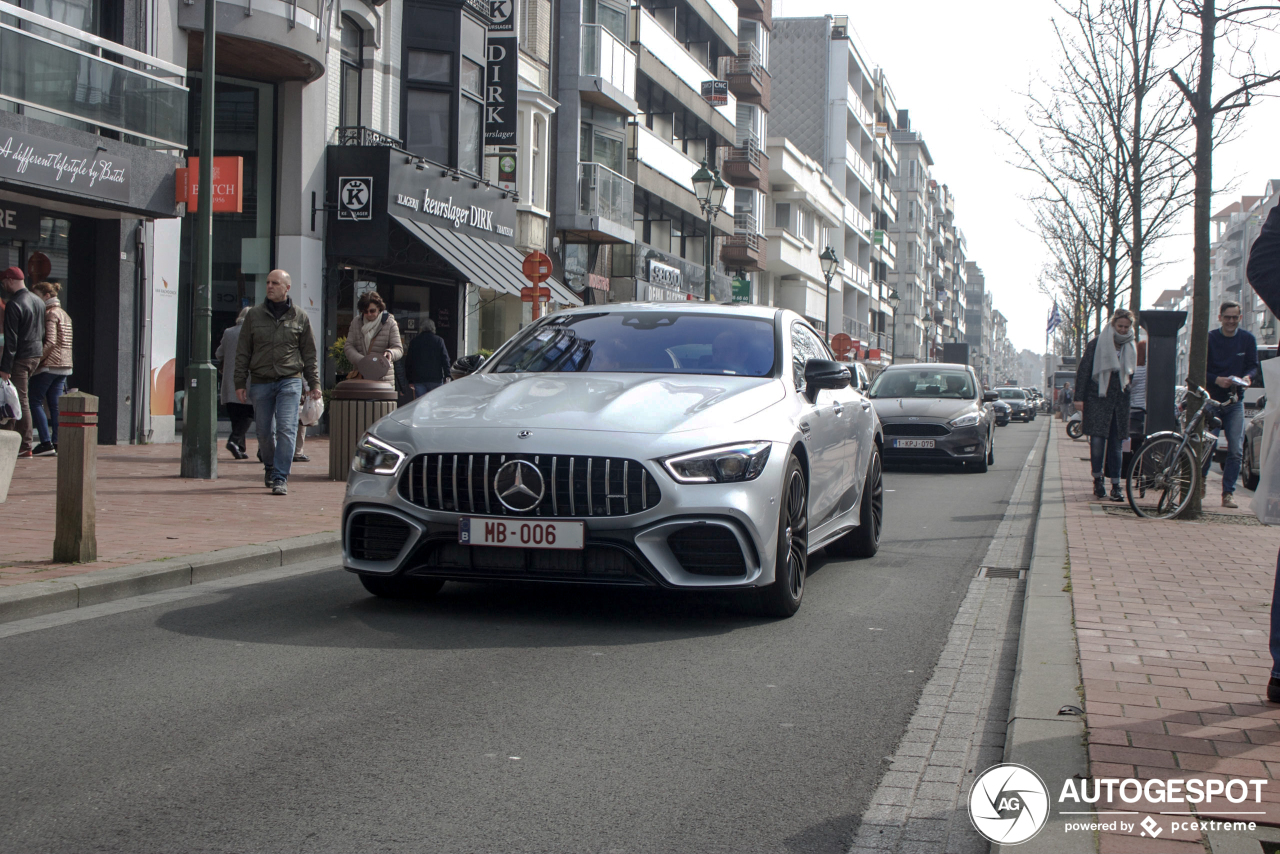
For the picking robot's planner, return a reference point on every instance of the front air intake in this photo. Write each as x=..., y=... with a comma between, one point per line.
x=708, y=550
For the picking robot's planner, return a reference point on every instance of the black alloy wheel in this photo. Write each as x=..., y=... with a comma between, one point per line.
x=864, y=540
x=1248, y=473
x=399, y=587
x=782, y=597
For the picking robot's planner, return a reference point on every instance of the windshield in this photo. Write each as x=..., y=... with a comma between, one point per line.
x=923, y=383
x=1011, y=394
x=644, y=342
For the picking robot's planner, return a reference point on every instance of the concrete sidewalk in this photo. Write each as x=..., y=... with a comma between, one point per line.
x=147, y=514
x=1173, y=620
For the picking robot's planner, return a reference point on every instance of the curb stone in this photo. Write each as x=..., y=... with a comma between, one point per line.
x=1048, y=673
x=37, y=598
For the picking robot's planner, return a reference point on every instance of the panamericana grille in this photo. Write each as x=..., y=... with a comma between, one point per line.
x=575, y=485
x=376, y=536
x=708, y=550
x=915, y=429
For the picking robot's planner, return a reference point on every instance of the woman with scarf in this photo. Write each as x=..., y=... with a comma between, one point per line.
x=373, y=330
x=1102, y=394
x=49, y=380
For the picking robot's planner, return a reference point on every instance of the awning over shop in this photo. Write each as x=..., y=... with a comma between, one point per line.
x=485, y=264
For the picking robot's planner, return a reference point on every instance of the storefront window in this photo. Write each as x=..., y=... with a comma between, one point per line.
x=243, y=249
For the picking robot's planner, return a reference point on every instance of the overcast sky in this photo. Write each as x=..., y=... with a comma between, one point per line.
x=960, y=67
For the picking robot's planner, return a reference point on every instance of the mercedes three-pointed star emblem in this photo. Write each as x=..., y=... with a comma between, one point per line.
x=519, y=485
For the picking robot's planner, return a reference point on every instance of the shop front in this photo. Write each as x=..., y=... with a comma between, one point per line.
x=97, y=216
x=435, y=244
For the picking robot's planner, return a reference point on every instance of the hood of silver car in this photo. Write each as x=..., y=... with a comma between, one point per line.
x=894, y=408
x=625, y=403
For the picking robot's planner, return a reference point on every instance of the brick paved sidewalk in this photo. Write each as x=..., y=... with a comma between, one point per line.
x=1173, y=621
x=146, y=512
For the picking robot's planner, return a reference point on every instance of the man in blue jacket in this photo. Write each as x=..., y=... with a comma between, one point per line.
x=1233, y=352
x=1264, y=274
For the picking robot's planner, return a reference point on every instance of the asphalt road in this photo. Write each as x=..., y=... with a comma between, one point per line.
x=302, y=715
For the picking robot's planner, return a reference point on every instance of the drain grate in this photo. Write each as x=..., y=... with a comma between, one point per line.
x=1018, y=572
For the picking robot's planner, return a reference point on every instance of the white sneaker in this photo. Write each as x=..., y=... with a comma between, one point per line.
x=1229, y=500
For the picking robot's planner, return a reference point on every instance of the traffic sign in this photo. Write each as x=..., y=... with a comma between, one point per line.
x=842, y=344
x=536, y=268
x=528, y=294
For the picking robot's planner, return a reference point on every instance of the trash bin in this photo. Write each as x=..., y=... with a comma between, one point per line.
x=353, y=407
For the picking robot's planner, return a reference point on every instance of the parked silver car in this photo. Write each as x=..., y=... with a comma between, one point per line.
x=935, y=413
x=659, y=445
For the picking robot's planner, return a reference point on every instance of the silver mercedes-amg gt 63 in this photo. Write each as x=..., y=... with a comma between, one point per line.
x=653, y=445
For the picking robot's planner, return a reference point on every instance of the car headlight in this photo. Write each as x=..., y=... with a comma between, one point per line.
x=723, y=464
x=374, y=456
x=970, y=420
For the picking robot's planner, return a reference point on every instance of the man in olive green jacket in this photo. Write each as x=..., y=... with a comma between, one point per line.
x=277, y=352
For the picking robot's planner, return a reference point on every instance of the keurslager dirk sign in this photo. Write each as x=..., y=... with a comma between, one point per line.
x=460, y=215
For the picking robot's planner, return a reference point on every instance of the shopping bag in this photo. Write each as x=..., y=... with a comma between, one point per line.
x=1266, y=498
x=312, y=409
x=10, y=403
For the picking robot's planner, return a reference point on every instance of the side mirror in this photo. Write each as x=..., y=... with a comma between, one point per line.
x=824, y=373
x=990, y=396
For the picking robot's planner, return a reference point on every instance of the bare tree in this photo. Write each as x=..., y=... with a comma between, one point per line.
x=1237, y=24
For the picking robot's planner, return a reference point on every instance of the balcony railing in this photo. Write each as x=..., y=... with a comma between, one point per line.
x=652, y=151
x=361, y=135
x=59, y=69
x=604, y=56
x=860, y=111
x=748, y=79
x=745, y=165
x=655, y=38
x=856, y=219
x=860, y=167
x=744, y=250
x=606, y=194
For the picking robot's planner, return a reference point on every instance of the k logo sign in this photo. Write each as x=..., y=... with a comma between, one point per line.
x=1009, y=804
x=355, y=199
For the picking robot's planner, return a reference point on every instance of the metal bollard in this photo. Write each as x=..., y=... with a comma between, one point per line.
x=75, y=539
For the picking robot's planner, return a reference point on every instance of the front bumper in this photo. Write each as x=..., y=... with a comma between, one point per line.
x=385, y=534
x=960, y=445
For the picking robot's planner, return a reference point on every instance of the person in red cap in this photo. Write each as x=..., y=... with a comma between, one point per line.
x=23, y=344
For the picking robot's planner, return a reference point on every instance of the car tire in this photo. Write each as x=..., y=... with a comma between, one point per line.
x=979, y=465
x=399, y=587
x=991, y=449
x=1248, y=471
x=864, y=540
x=791, y=561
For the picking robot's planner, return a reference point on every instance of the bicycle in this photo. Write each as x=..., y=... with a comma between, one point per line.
x=1169, y=467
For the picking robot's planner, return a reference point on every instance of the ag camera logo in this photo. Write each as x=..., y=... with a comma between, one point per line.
x=1009, y=804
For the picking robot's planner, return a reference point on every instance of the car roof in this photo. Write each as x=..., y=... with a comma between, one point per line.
x=764, y=312
x=928, y=366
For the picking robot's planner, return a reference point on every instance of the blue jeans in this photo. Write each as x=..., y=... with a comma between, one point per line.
x=275, y=414
x=419, y=389
x=1232, y=416
x=46, y=388
x=1107, y=450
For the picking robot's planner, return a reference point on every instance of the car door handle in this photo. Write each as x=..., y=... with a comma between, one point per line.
x=865, y=404
x=804, y=427
x=838, y=409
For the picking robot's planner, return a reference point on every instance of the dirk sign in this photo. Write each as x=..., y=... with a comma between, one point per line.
x=500, y=75
x=228, y=184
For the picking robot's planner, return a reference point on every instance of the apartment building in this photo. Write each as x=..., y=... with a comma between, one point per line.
x=837, y=109
x=1236, y=228
x=361, y=145
x=647, y=94
x=977, y=321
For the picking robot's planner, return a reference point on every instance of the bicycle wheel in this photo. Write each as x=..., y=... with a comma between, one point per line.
x=1160, y=482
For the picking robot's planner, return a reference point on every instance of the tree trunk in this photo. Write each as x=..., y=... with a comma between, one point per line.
x=1203, y=119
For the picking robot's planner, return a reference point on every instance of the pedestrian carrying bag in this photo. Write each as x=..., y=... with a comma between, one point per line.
x=10, y=403
x=1266, y=499
x=312, y=409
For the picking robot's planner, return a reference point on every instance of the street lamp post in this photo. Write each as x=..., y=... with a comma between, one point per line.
x=829, y=264
x=200, y=423
x=710, y=189
x=893, y=300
